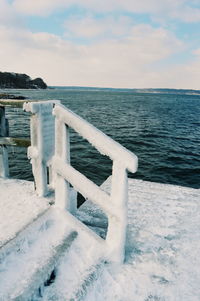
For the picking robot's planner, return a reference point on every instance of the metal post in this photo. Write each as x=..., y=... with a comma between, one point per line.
x=4, y=131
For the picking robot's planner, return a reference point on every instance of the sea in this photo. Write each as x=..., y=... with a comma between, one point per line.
x=161, y=127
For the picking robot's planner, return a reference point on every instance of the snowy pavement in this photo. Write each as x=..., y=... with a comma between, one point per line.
x=19, y=206
x=162, y=246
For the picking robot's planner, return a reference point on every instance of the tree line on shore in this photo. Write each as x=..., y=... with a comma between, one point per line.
x=10, y=80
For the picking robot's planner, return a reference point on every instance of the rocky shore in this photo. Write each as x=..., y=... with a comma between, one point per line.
x=11, y=96
x=10, y=80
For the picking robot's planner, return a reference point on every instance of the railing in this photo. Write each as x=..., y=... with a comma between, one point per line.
x=115, y=204
x=4, y=131
x=5, y=140
x=41, y=151
x=50, y=154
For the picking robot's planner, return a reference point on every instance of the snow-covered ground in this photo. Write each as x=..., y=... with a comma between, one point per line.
x=162, y=247
x=19, y=205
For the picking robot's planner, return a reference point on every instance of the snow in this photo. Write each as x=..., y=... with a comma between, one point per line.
x=27, y=265
x=162, y=249
x=42, y=141
x=4, y=168
x=77, y=269
x=115, y=205
x=19, y=206
x=162, y=246
x=157, y=225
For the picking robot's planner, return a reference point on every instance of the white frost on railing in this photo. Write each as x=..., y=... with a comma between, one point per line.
x=45, y=154
x=104, y=144
x=114, y=205
x=42, y=142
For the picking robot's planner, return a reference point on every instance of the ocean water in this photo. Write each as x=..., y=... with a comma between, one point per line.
x=162, y=129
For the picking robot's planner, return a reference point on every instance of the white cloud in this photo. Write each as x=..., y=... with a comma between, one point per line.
x=126, y=62
x=126, y=55
x=184, y=76
x=8, y=15
x=197, y=52
x=37, y=7
x=187, y=14
x=89, y=27
x=47, y=6
x=185, y=10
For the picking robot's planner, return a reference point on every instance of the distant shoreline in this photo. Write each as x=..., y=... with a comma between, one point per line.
x=96, y=89
x=135, y=90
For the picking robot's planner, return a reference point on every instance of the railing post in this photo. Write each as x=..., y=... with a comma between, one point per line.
x=4, y=131
x=117, y=223
x=42, y=146
x=39, y=170
x=63, y=198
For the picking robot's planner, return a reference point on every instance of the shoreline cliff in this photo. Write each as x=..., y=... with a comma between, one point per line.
x=10, y=80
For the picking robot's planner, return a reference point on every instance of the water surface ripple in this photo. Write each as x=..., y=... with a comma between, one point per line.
x=163, y=130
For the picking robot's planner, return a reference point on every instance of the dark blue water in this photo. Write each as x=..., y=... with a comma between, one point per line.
x=163, y=130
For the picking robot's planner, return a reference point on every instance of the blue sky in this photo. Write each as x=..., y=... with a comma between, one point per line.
x=113, y=43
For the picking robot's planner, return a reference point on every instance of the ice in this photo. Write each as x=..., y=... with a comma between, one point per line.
x=163, y=241
x=104, y=144
x=42, y=142
x=34, y=254
x=162, y=250
x=19, y=206
x=155, y=226
x=114, y=205
x=162, y=246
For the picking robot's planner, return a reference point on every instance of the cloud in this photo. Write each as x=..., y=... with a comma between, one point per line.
x=184, y=76
x=142, y=6
x=187, y=14
x=127, y=62
x=120, y=53
x=185, y=10
x=196, y=52
x=8, y=15
x=89, y=27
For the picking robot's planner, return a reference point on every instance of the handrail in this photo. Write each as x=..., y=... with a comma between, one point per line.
x=4, y=131
x=40, y=152
x=50, y=153
x=6, y=141
x=104, y=144
x=12, y=141
x=114, y=205
x=85, y=186
x=50, y=149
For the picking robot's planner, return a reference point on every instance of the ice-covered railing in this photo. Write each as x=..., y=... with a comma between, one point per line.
x=115, y=204
x=42, y=147
x=50, y=154
x=5, y=140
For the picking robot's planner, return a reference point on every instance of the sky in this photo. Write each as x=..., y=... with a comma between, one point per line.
x=103, y=43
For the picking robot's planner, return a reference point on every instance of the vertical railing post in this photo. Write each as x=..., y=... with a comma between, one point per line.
x=62, y=151
x=117, y=223
x=39, y=170
x=4, y=131
x=42, y=146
